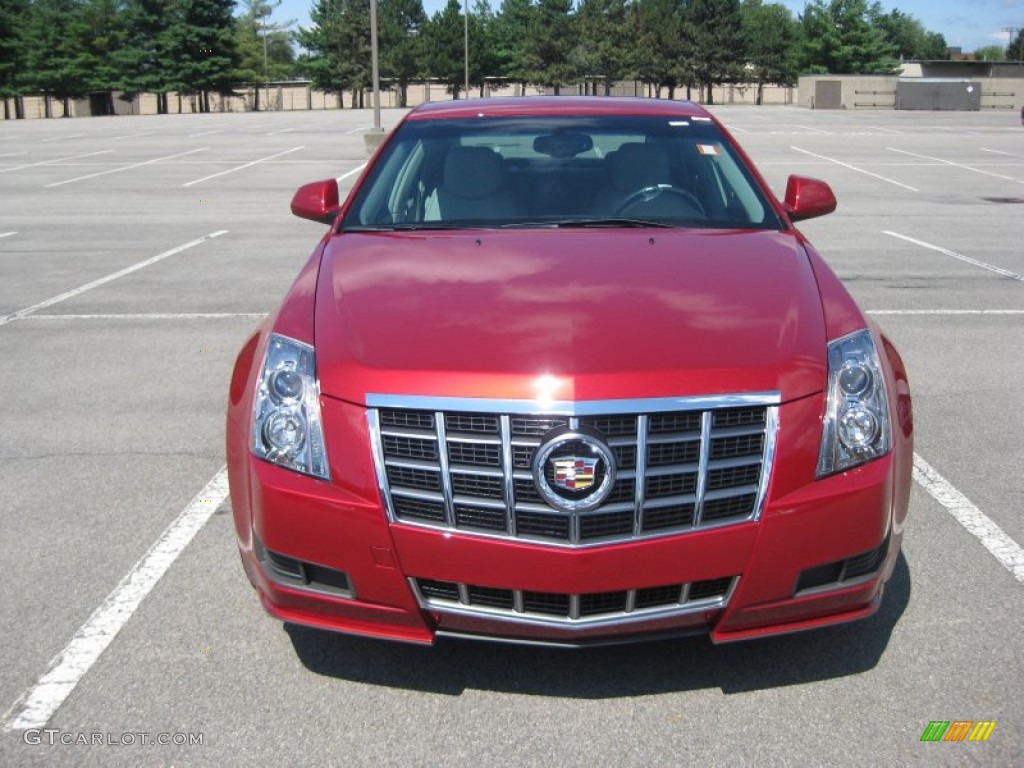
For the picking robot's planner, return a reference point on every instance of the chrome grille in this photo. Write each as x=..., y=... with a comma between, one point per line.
x=566, y=609
x=683, y=464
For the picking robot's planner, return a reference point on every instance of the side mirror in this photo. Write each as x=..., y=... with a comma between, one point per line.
x=807, y=198
x=317, y=201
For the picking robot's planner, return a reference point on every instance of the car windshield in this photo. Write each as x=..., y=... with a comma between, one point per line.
x=559, y=171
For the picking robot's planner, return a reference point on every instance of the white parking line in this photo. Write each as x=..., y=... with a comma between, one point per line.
x=956, y=165
x=21, y=313
x=7, y=234
x=1000, y=152
x=955, y=255
x=358, y=128
x=945, y=311
x=134, y=135
x=57, y=160
x=354, y=171
x=35, y=708
x=1003, y=548
x=855, y=168
x=204, y=133
x=812, y=128
x=241, y=167
x=13, y=154
x=283, y=130
x=126, y=167
x=63, y=138
x=155, y=316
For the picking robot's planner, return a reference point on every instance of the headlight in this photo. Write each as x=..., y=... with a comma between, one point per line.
x=856, y=427
x=286, y=428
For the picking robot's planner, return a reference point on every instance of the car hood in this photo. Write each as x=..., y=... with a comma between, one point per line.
x=568, y=314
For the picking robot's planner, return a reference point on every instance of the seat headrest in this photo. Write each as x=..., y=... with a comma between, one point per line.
x=472, y=172
x=635, y=165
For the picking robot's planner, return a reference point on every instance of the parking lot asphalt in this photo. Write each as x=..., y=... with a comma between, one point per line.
x=136, y=254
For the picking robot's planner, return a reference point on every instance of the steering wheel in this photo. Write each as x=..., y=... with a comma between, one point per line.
x=654, y=191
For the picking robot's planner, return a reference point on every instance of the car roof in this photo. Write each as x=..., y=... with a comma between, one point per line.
x=529, y=106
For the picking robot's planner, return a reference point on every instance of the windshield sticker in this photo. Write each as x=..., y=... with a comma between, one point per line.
x=707, y=149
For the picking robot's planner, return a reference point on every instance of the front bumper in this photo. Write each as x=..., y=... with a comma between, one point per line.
x=324, y=555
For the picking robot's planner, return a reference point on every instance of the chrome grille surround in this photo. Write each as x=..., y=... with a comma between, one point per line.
x=574, y=611
x=701, y=462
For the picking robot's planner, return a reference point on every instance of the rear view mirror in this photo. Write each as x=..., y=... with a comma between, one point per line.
x=317, y=201
x=807, y=198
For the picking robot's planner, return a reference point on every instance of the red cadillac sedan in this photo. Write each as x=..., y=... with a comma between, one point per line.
x=563, y=371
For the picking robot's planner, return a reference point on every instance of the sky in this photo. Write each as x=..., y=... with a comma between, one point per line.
x=969, y=24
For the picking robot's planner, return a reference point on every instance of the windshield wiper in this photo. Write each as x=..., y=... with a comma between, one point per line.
x=610, y=222
x=423, y=226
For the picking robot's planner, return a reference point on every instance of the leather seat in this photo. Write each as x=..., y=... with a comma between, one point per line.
x=632, y=167
x=473, y=186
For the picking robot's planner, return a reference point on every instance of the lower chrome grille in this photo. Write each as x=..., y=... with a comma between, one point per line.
x=681, y=464
x=558, y=607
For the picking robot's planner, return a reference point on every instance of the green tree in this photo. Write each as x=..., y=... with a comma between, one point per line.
x=662, y=49
x=105, y=33
x=509, y=33
x=142, y=61
x=264, y=47
x=200, y=48
x=445, y=42
x=908, y=36
x=840, y=39
x=549, y=44
x=1015, y=50
x=57, y=61
x=401, y=42
x=603, y=50
x=990, y=53
x=13, y=54
x=483, y=62
x=770, y=35
x=338, y=46
x=716, y=29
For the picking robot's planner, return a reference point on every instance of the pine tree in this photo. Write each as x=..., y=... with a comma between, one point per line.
x=200, y=48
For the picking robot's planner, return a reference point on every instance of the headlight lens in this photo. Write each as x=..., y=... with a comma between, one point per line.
x=286, y=427
x=856, y=426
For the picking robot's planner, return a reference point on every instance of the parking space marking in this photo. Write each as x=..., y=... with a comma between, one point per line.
x=63, y=138
x=125, y=167
x=13, y=154
x=35, y=708
x=858, y=170
x=242, y=167
x=204, y=133
x=812, y=128
x=155, y=316
x=956, y=165
x=357, y=129
x=1000, y=152
x=134, y=135
x=955, y=255
x=283, y=130
x=21, y=313
x=1008, y=552
x=353, y=172
x=945, y=311
x=57, y=160
x=7, y=234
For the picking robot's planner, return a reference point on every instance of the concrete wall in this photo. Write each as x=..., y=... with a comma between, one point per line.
x=879, y=91
x=299, y=96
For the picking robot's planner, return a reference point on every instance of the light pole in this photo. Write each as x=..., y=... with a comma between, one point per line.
x=465, y=5
x=374, y=69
